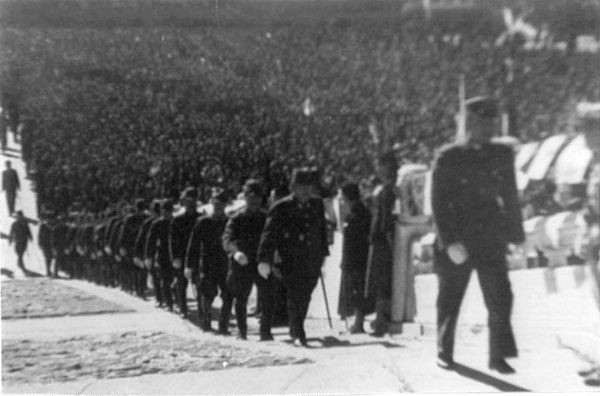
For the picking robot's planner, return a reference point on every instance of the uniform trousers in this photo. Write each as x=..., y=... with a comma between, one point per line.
x=495, y=286
x=299, y=291
x=166, y=275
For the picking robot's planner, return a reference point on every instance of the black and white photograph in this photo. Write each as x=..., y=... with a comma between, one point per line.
x=309, y=197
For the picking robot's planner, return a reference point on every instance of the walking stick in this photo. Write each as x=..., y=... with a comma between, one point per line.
x=326, y=302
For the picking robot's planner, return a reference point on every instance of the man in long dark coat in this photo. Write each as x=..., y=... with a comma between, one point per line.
x=206, y=263
x=297, y=229
x=60, y=245
x=477, y=214
x=20, y=234
x=157, y=253
x=45, y=242
x=355, y=252
x=127, y=237
x=180, y=230
x=10, y=184
x=140, y=244
x=240, y=240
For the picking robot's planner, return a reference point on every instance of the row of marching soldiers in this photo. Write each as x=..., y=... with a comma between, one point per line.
x=219, y=254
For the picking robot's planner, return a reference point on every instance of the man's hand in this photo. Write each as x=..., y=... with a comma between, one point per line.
x=458, y=253
x=177, y=264
x=148, y=263
x=187, y=272
x=264, y=269
x=241, y=258
x=108, y=250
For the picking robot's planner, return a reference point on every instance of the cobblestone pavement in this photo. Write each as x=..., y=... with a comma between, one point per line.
x=125, y=354
x=39, y=298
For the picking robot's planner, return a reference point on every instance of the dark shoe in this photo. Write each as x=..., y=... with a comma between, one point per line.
x=183, y=315
x=224, y=332
x=593, y=379
x=501, y=366
x=241, y=337
x=445, y=363
x=266, y=337
x=356, y=330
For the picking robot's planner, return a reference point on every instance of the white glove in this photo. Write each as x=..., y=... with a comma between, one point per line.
x=108, y=250
x=122, y=252
x=264, y=269
x=458, y=253
x=177, y=263
x=241, y=258
x=187, y=272
x=148, y=263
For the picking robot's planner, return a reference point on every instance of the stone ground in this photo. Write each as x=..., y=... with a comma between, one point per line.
x=42, y=297
x=126, y=354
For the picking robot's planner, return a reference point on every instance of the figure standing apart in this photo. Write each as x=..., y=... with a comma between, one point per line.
x=20, y=234
x=10, y=185
x=477, y=215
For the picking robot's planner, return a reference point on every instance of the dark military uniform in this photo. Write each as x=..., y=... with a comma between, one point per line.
x=10, y=184
x=208, y=262
x=157, y=249
x=142, y=273
x=243, y=234
x=45, y=243
x=101, y=259
x=118, y=270
x=71, y=249
x=133, y=278
x=20, y=234
x=180, y=230
x=355, y=252
x=111, y=270
x=59, y=246
x=298, y=231
x=475, y=202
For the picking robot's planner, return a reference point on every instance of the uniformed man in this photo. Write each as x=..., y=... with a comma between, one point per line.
x=59, y=244
x=240, y=240
x=72, y=257
x=127, y=237
x=382, y=240
x=110, y=236
x=99, y=244
x=20, y=234
x=45, y=242
x=297, y=229
x=157, y=253
x=10, y=184
x=113, y=247
x=139, y=254
x=206, y=262
x=477, y=214
x=180, y=230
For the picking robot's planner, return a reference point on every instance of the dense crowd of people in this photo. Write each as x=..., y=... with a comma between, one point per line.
x=144, y=112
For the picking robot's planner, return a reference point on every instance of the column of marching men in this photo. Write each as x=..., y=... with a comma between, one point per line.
x=218, y=254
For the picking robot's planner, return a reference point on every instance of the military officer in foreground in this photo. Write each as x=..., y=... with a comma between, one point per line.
x=477, y=215
x=297, y=229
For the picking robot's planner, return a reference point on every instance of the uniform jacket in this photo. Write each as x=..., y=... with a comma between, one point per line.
x=10, y=180
x=59, y=238
x=179, y=234
x=474, y=197
x=157, y=242
x=299, y=233
x=142, y=236
x=205, y=251
x=129, y=231
x=243, y=234
x=20, y=234
x=45, y=236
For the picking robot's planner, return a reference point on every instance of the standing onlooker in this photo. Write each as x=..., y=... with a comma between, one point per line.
x=45, y=242
x=10, y=184
x=382, y=240
x=21, y=235
x=355, y=252
x=477, y=214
